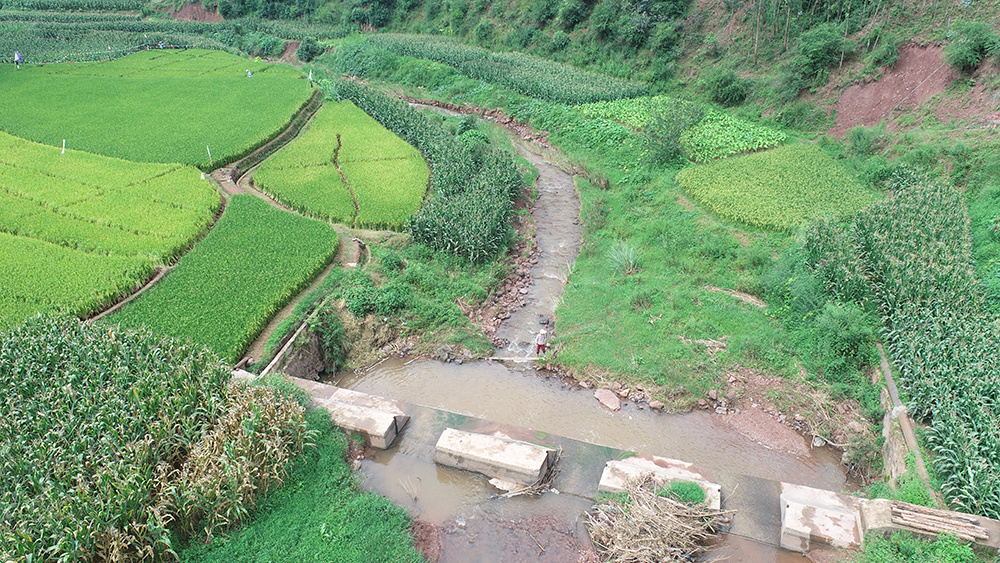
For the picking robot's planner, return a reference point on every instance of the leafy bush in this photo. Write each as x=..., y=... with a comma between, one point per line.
x=819, y=49
x=726, y=87
x=904, y=547
x=972, y=42
x=333, y=338
x=309, y=49
x=572, y=13
x=846, y=341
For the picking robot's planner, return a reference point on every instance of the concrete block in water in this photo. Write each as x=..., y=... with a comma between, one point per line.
x=812, y=515
x=502, y=458
x=378, y=418
x=378, y=426
x=664, y=470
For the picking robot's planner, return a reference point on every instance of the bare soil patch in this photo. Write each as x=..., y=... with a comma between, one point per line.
x=919, y=74
x=427, y=539
x=776, y=412
x=194, y=12
x=288, y=55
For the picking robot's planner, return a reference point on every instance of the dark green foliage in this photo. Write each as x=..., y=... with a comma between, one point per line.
x=819, y=49
x=971, y=43
x=332, y=337
x=909, y=488
x=726, y=87
x=665, y=130
x=846, y=339
x=483, y=30
x=904, y=547
x=572, y=13
x=309, y=49
x=560, y=40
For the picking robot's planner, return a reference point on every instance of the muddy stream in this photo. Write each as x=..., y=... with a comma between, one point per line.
x=468, y=523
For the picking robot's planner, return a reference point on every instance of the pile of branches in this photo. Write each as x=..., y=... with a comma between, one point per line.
x=645, y=527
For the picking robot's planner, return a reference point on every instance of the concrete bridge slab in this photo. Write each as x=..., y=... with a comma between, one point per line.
x=502, y=458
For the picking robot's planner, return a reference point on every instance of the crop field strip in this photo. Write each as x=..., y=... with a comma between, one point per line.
x=347, y=168
x=526, y=74
x=80, y=230
x=76, y=102
x=224, y=290
x=774, y=189
x=912, y=256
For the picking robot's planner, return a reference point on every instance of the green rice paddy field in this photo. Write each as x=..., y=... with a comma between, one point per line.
x=79, y=230
x=385, y=177
x=154, y=106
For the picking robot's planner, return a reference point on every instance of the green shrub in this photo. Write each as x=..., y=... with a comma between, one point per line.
x=333, y=338
x=904, y=547
x=560, y=40
x=572, y=13
x=309, y=49
x=971, y=43
x=846, y=341
x=483, y=30
x=726, y=87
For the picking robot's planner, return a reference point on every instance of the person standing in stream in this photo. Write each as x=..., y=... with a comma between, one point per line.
x=540, y=342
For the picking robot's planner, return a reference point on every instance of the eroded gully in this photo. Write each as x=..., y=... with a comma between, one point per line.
x=471, y=525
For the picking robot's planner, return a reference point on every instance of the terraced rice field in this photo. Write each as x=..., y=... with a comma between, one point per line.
x=385, y=177
x=79, y=230
x=228, y=286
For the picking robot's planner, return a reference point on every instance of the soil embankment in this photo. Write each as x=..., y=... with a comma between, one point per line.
x=920, y=74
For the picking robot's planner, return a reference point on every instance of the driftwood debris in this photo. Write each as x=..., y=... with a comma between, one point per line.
x=934, y=521
x=648, y=528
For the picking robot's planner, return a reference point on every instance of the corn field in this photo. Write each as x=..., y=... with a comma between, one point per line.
x=112, y=441
x=914, y=253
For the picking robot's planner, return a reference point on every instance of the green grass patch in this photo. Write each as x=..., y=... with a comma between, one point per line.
x=685, y=491
x=904, y=547
x=82, y=229
x=154, y=106
x=386, y=177
x=320, y=514
x=780, y=189
x=225, y=290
